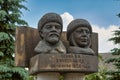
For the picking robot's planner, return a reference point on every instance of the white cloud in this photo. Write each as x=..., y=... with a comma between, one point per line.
x=103, y=33
x=67, y=18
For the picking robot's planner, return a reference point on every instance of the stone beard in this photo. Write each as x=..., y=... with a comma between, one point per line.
x=42, y=47
x=50, y=29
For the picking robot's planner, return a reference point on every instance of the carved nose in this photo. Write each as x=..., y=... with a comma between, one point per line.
x=84, y=33
x=53, y=28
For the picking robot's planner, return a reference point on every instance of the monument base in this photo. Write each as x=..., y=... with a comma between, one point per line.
x=74, y=76
x=48, y=76
x=56, y=76
x=71, y=66
x=63, y=63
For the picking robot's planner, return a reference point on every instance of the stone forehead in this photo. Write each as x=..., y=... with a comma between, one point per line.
x=49, y=17
x=77, y=23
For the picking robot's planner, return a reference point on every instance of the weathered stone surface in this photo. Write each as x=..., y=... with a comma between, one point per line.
x=79, y=33
x=94, y=42
x=26, y=40
x=74, y=76
x=48, y=76
x=50, y=29
x=63, y=63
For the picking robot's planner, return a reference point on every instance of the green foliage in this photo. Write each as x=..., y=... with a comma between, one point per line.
x=3, y=36
x=2, y=15
x=115, y=74
x=100, y=75
x=10, y=18
x=61, y=77
x=31, y=78
x=13, y=73
x=116, y=38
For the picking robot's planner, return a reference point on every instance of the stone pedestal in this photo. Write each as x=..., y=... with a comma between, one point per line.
x=71, y=66
x=74, y=76
x=48, y=76
x=67, y=63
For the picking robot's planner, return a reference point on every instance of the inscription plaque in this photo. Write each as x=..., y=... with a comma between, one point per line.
x=63, y=63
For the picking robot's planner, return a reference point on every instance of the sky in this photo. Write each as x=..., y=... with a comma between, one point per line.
x=101, y=14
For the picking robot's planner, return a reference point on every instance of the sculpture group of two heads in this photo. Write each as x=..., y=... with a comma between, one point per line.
x=78, y=31
x=78, y=35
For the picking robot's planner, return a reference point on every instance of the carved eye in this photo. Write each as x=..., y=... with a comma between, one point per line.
x=87, y=32
x=48, y=26
x=57, y=27
x=79, y=31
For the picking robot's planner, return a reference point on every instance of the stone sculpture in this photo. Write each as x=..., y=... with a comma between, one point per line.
x=50, y=29
x=79, y=36
x=44, y=53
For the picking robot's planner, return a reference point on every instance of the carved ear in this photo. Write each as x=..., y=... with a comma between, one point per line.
x=41, y=34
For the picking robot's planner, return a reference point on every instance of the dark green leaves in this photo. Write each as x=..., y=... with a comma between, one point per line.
x=10, y=18
x=3, y=14
x=115, y=60
x=3, y=36
x=116, y=37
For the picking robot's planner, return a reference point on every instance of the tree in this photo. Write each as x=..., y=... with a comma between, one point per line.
x=100, y=75
x=115, y=74
x=10, y=18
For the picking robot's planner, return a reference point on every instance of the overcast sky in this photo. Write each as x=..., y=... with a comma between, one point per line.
x=100, y=13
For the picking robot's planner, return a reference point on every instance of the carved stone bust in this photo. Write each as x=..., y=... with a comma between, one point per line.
x=79, y=36
x=50, y=29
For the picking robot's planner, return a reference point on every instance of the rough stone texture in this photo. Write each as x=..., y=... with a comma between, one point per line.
x=94, y=43
x=48, y=76
x=63, y=63
x=26, y=40
x=79, y=35
x=74, y=76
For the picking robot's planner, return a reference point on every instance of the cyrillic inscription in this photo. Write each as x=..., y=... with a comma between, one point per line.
x=64, y=63
x=69, y=61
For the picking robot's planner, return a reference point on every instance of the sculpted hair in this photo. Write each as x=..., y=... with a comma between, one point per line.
x=77, y=23
x=49, y=17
